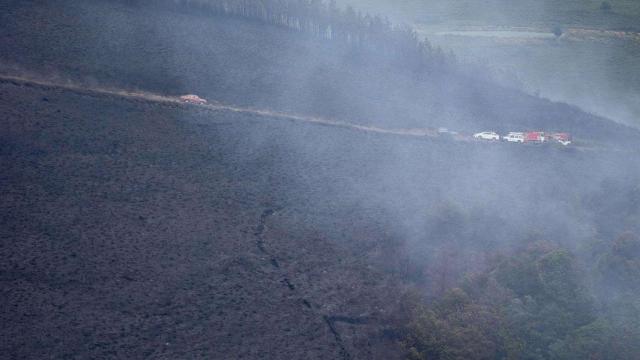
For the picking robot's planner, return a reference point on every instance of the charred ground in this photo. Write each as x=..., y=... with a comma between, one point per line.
x=252, y=63
x=136, y=229
x=191, y=234
x=170, y=242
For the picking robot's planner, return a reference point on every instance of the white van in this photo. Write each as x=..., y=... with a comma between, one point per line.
x=516, y=137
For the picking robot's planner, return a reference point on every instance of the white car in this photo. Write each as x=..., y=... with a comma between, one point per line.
x=487, y=135
x=516, y=137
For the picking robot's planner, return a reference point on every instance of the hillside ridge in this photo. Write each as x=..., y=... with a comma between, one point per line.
x=252, y=64
x=426, y=133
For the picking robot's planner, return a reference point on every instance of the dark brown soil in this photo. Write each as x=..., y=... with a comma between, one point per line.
x=134, y=230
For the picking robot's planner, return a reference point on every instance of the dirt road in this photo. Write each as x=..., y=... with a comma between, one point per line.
x=26, y=80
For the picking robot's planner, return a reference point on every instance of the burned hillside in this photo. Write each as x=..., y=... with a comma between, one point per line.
x=135, y=227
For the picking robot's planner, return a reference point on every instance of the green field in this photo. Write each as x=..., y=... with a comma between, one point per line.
x=601, y=76
x=594, y=64
x=623, y=14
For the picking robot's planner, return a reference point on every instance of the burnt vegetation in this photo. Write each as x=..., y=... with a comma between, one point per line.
x=296, y=56
x=134, y=229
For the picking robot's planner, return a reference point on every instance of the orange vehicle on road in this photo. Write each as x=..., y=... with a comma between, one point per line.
x=192, y=99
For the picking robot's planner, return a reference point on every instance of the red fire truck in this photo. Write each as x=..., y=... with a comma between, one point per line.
x=534, y=137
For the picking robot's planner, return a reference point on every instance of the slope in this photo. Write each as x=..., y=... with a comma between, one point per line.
x=165, y=246
x=248, y=63
x=133, y=228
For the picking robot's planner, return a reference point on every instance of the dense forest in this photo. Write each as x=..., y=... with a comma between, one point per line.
x=325, y=20
x=539, y=303
x=322, y=19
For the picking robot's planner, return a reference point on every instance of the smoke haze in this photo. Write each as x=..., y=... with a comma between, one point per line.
x=222, y=220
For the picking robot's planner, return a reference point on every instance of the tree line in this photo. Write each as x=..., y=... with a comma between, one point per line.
x=324, y=19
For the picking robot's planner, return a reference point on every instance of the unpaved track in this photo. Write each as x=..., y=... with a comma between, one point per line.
x=212, y=106
x=267, y=114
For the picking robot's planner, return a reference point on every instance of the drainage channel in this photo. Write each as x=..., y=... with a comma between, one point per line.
x=329, y=320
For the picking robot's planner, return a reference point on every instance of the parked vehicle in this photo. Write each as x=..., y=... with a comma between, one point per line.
x=562, y=138
x=192, y=99
x=534, y=137
x=446, y=133
x=516, y=137
x=487, y=135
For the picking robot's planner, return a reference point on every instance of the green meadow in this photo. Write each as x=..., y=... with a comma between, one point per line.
x=594, y=63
